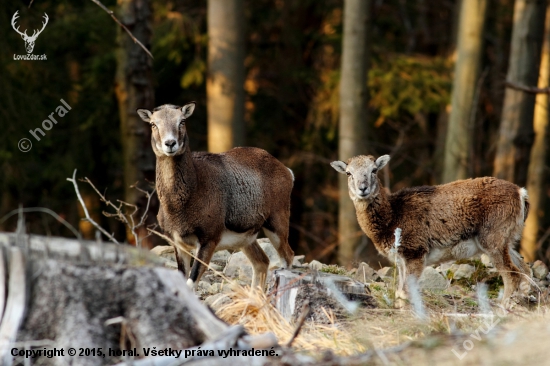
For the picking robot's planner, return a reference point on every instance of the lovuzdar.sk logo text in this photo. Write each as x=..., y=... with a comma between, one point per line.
x=29, y=40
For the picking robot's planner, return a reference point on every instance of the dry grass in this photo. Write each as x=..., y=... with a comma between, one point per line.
x=252, y=309
x=368, y=328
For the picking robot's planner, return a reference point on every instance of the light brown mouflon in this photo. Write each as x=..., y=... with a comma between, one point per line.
x=440, y=223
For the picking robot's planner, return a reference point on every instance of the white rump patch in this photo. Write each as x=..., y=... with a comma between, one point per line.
x=523, y=196
x=291, y=173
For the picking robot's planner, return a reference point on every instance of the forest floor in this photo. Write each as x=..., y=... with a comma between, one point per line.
x=454, y=326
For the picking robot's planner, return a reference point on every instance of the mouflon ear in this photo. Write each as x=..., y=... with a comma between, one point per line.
x=339, y=166
x=382, y=161
x=187, y=110
x=145, y=114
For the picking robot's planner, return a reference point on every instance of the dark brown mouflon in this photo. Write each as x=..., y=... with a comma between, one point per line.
x=217, y=201
x=441, y=223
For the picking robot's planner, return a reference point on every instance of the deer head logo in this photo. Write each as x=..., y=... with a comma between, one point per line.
x=29, y=40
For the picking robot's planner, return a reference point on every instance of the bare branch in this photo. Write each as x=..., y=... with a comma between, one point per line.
x=141, y=222
x=126, y=218
x=301, y=321
x=44, y=210
x=88, y=218
x=527, y=89
x=119, y=215
x=111, y=13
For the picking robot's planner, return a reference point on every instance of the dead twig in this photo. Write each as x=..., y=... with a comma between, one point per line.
x=44, y=210
x=112, y=14
x=527, y=89
x=86, y=213
x=126, y=218
x=301, y=321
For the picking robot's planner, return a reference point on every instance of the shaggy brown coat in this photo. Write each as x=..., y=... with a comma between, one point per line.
x=218, y=201
x=440, y=223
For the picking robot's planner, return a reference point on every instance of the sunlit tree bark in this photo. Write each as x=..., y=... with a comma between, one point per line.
x=458, y=142
x=225, y=83
x=536, y=176
x=516, y=126
x=353, y=117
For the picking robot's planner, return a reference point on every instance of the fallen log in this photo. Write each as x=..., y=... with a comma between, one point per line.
x=108, y=302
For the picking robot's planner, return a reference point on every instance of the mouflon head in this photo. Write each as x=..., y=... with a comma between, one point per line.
x=169, y=134
x=363, y=183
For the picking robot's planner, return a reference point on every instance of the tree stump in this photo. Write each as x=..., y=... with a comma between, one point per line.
x=325, y=292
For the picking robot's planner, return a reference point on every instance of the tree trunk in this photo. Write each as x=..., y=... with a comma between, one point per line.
x=536, y=176
x=134, y=89
x=516, y=126
x=353, y=117
x=463, y=104
x=225, y=83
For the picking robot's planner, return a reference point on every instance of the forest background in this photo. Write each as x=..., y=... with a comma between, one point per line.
x=450, y=89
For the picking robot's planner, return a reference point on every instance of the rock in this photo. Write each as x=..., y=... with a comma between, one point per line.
x=431, y=279
x=165, y=251
x=226, y=289
x=221, y=257
x=216, y=267
x=205, y=287
x=170, y=264
x=216, y=287
x=444, y=267
x=274, y=260
x=463, y=271
x=298, y=260
x=315, y=265
x=486, y=260
x=239, y=266
x=540, y=270
x=386, y=272
x=365, y=273
x=217, y=301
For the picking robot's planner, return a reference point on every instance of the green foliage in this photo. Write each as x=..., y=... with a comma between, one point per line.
x=194, y=75
x=406, y=85
x=334, y=269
